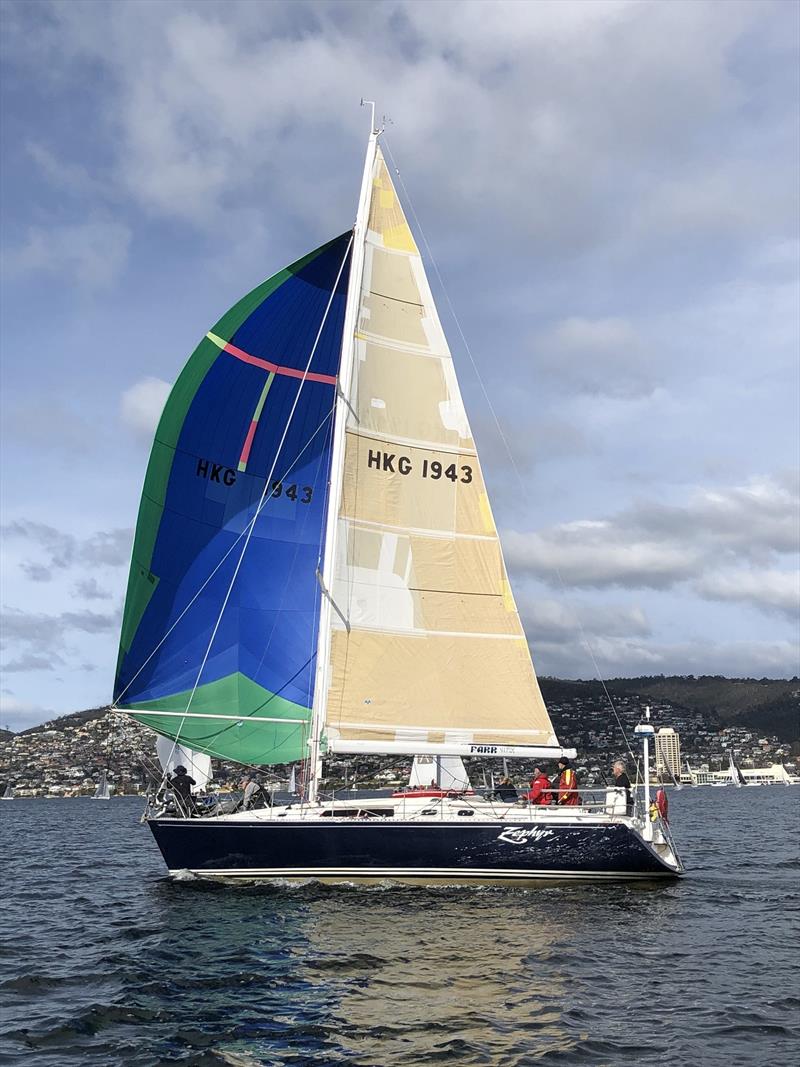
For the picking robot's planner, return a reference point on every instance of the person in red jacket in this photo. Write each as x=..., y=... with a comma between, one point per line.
x=540, y=788
x=567, y=784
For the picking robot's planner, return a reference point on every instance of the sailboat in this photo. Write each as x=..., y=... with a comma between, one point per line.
x=737, y=777
x=104, y=788
x=316, y=571
x=8, y=793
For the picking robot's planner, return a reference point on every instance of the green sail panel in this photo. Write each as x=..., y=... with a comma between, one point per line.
x=247, y=408
x=265, y=721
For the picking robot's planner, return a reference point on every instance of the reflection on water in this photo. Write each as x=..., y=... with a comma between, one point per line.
x=110, y=963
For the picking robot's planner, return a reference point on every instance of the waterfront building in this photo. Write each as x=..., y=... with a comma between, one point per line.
x=668, y=753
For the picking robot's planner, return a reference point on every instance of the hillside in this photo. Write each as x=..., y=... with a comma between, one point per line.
x=767, y=705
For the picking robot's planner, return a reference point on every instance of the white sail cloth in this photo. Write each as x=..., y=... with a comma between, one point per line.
x=172, y=755
x=432, y=652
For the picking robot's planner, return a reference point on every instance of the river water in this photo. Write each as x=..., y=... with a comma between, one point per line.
x=106, y=962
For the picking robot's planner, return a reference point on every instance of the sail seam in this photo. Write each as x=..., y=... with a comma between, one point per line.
x=246, y=718
x=422, y=531
x=481, y=634
x=409, y=347
x=413, y=442
x=464, y=732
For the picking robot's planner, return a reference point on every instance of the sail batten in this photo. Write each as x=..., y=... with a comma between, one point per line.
x=433, y=651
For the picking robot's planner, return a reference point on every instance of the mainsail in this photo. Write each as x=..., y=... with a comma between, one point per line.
x=427, y=650
x=218, y=643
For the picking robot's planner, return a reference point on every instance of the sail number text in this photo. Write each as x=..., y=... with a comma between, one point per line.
x=430, y=468
x=218, y=472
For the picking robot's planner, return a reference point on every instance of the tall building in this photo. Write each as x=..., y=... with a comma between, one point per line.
x=667, y=745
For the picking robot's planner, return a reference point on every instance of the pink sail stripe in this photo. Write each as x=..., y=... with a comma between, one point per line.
x=289, y=372
x=248, y=443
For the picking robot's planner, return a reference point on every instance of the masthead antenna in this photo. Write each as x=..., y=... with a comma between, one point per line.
x=371, y=104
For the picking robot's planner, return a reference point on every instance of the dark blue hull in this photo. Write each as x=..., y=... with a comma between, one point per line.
x=418, y=851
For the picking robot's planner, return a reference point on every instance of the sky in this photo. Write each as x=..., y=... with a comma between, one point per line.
x=610, y=194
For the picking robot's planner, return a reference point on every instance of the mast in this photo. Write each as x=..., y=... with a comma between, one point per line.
x=337, y=459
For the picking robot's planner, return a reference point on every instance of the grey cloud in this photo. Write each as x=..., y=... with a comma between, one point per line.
x=622, y=657
x=45, y=635
x=60, y=547
x=530, y=443
x=710, y=539
x=89, y=589
x=601, y=356
x=770, y=590
x=31, y=661
x=111, y=548
x=587, y=89
x=105, y=548
x=551, y=622
x=597, y=554
x=37, y=572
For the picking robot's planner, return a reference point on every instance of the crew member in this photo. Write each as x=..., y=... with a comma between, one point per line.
x=662, y=803
x=506, y=791
x=181, y=785
x=253, y=793
x=567, y=788
x=540, y=788
x=622, y=781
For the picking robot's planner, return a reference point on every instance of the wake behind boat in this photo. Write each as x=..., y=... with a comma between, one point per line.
x=317, y=571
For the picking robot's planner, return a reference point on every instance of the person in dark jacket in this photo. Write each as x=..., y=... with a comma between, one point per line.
x=622, y=781
x=181, y=785
x=506, y=791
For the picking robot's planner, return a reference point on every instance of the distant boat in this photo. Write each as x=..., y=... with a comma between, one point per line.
x=293, y=781
x=104, y=789
x=9, y=792
x=737, y=777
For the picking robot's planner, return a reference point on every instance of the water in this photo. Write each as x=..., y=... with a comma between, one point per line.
x=106, y=962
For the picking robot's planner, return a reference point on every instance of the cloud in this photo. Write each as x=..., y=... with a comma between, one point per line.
x=110, y=548
x=16, y=714
x=771, y=590
x=89, y=589
x=92, y=254
x=707, y=539
x=600, y=356
x=31, y=661
x=142, y=404
x=37, y=572
x=548, y=621
x=65, y=176
x=601, y=553
x=627, y=657
x=536, y=98
x=46, y=635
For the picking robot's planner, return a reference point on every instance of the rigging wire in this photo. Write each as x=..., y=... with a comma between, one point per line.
x=497, y=423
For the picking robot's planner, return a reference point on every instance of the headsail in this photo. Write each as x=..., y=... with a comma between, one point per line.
x=237, y=683
x=427, y=649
